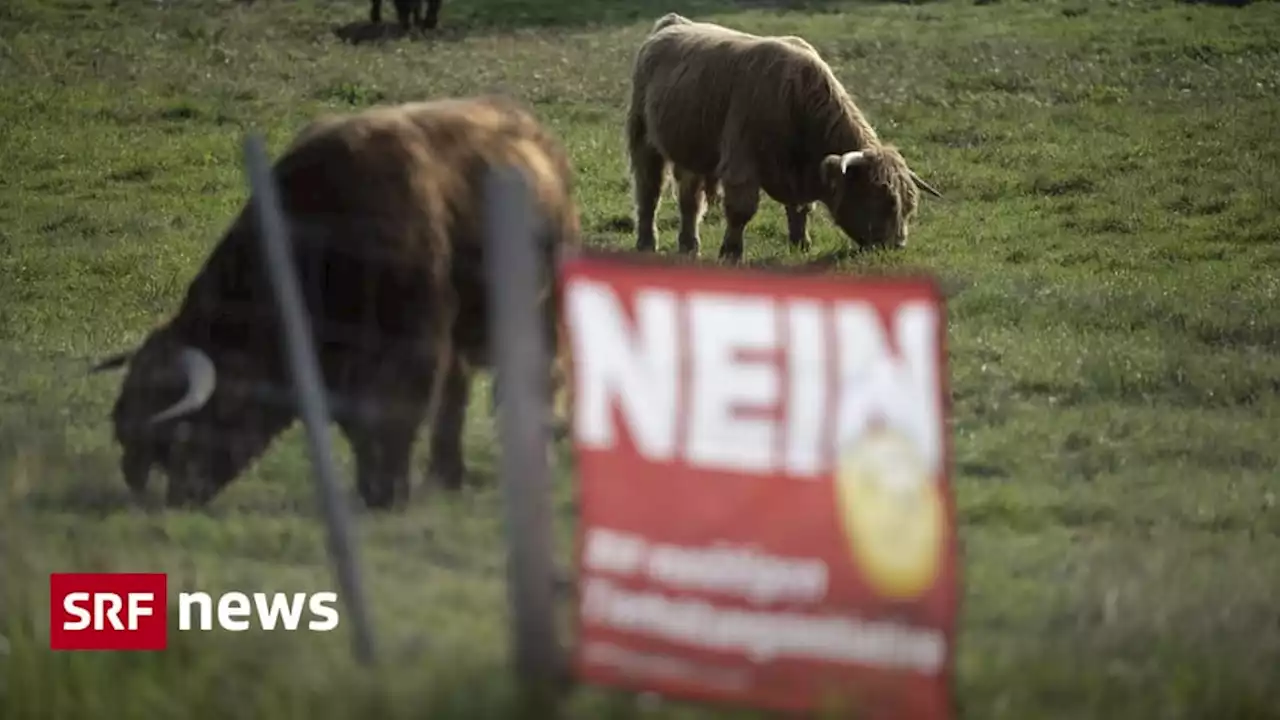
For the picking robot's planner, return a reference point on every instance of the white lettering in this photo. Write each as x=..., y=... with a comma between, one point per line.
x=107, y=606
x=609, y=551
x=721, y=567
x=764, y=636
x=777, y=411
x=759, y=577
x=636, y=366
x=875, y=386
x=917, y=329
x=319, y=605
x=271, y=610
x=660, y=666
x=723, y=384
x=807, y=390
x=106, y=610
x=291, y=611
x=71, y=605
x=203, y=601
x=230, y=605
x=136, y=609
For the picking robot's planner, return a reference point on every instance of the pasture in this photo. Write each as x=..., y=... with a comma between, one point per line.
x=1110, y=245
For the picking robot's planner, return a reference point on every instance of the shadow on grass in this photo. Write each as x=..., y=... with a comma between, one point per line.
x=87, y=500
x=1223, y=3
x=835, y=262
x=365, y=32
x=461, y=19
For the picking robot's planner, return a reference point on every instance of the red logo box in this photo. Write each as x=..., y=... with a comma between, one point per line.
x=108, y=611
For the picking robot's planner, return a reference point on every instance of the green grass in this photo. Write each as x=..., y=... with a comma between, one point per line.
x=1111, y=244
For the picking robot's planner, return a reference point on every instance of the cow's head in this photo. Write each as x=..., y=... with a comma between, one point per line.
x=872, y=195
x=199, y=421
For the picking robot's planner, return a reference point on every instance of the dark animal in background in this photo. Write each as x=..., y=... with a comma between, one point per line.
x=735, y=114
x=385, y=211
x=407, y=10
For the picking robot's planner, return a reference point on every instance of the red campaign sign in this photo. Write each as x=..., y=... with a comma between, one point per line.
x=763, y=469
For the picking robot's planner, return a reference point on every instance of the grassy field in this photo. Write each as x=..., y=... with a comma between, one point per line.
x=1110, y=243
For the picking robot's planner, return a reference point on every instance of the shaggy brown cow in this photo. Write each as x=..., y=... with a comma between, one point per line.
x=749, y=113
x=384, y=208
x=406, y=9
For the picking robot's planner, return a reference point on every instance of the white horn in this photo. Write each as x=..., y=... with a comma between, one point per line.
x=849, y=159
x=201, y=380
x=924, y=185
x=113, y=362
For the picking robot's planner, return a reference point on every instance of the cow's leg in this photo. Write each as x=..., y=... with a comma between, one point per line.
x=375, y=11
x=556, y=404
x=558, y=407
x=648, y=173
x=416, y=12
x=403, y=10
x=381, y=429
x=741, y=200
x=382, y=451
x=693, y=204
x=447, y=467
x=711, y=189
x=432, y=17
x=798, y=226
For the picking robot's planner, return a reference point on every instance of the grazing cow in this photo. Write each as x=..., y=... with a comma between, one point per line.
x=385, y=216
x=735, y=114
x=406, y=9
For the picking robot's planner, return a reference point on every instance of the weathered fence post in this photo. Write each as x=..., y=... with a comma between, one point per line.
x=309, y=389
x=522, y=361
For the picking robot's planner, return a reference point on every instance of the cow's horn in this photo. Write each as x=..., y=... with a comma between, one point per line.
x=201, y=379
x=924, y=185
x=849, y=159
x=112, y=362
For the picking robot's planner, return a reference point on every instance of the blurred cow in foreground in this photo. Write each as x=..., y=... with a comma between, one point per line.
x=409, y=9
x=385, y=213
x=742, y=113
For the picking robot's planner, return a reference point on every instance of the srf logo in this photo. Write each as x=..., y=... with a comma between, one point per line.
x=108, y=611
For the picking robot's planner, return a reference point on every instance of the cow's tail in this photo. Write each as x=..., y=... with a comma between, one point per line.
x=446, y=314
x=637, y=135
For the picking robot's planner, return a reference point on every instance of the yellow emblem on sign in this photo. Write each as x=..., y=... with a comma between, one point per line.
x=891, y=508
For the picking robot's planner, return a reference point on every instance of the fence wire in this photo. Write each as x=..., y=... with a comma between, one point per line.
x=362, y=285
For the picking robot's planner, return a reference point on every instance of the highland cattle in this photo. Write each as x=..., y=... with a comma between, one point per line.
x=734, y=114
x=385, y=215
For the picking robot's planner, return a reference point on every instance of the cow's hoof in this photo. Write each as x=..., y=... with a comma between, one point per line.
x=447, y=478
x=380, y=501
x=381, y=494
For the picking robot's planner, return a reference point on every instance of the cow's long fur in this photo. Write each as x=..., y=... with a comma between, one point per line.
x=385, y=210
x=756, y=113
